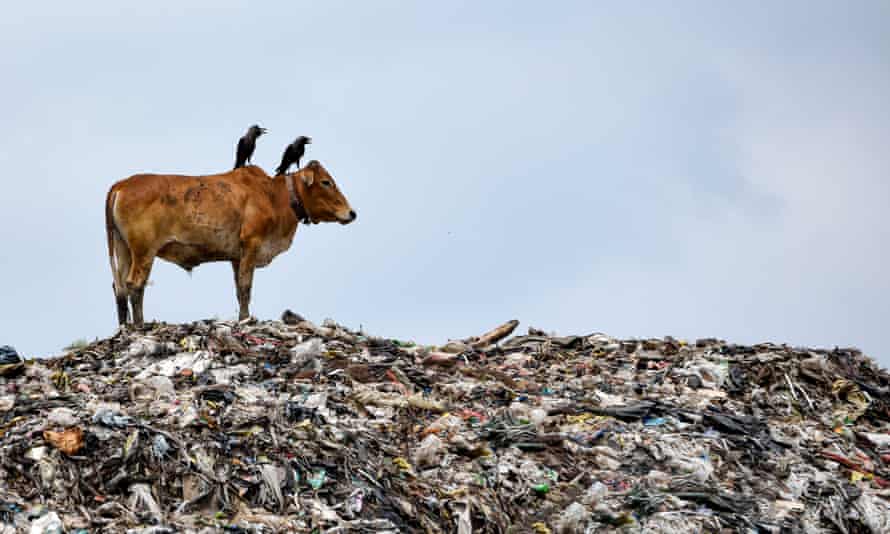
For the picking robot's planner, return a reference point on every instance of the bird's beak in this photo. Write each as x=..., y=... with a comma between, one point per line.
x=264, y=130
x=308, y=140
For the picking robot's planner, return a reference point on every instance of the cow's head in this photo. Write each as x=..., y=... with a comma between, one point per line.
x=322, y=199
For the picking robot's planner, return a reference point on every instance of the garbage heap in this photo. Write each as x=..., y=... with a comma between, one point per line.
x=286, y=426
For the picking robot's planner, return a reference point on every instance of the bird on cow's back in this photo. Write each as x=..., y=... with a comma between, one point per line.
x=292, y=154
x=247, y=144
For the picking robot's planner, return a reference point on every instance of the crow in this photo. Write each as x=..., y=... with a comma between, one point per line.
x=293, y=153
x=247, y=144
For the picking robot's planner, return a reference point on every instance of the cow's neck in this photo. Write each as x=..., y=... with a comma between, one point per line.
x=294, y=198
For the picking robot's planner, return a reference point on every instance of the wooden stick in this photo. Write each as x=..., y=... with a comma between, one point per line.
x=495, y=335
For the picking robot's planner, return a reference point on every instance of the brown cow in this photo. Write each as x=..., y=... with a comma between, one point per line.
x=241, y=216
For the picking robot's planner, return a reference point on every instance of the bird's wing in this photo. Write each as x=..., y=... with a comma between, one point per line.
x=241, y=153
x=288, y=157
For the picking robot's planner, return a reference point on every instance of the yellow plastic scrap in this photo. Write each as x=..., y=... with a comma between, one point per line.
x=582, y=418
x=132, y=439
x=842, y=386
x=402, y=464
x=61, y=380
x=189, y=343
x=455, y=493
x=858, y=399
x=850, y=392
x=540, y=528
x=249, y=432
x=856, y=476
x=625, y=519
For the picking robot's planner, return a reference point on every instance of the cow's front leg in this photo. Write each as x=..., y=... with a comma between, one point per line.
x=243, y=270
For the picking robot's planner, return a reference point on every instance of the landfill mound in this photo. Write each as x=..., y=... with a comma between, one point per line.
x=286, y=426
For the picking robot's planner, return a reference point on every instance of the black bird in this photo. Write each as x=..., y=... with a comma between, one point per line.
x=293, y=153
x=247, y=144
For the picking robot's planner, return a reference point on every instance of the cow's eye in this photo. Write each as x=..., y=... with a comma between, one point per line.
x=326, y=183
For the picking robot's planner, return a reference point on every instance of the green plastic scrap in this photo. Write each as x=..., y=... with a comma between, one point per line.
x=542, y=489
x=318, y=479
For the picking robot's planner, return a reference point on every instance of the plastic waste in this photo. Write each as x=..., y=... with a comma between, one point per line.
x=264, y=426
x=47, y=524
x=62, y=417
x=108, y=417
x=317, y=479
x=195, y=362
x=307, y=350
x=10, y=362
x=160, y=447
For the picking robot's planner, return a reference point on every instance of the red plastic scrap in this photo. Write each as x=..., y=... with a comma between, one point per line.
x=856, y=467
x=619, y=486
x=395, y=380
x=840, y=459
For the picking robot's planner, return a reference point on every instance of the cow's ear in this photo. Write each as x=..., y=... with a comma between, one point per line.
x=308, y=177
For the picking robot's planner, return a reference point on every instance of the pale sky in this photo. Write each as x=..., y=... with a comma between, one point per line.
x=641, y=169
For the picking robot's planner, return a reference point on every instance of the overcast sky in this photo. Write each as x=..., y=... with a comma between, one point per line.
x=637, y=168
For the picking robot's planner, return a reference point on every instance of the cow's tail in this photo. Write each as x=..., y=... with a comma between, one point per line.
x=109, y=232
x=118, y=257
x=118, y=249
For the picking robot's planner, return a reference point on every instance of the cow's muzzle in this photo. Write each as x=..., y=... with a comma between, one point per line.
x=349, y=218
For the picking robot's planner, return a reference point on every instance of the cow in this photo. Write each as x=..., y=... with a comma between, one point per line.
x=243, y=216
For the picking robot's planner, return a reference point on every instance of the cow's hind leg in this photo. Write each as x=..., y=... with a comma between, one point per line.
x=136, y=280
x=121, y=269
x=122, y=311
